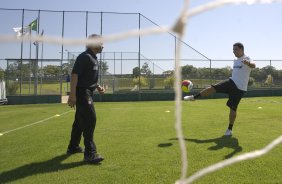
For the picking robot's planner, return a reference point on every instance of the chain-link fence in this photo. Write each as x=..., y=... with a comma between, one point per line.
x=136, y=64
x=120, y=73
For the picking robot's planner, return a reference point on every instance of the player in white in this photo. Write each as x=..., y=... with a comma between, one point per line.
x=235, y=86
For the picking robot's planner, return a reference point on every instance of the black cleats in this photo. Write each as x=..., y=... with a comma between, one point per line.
x=93, y=158
x=75, y=150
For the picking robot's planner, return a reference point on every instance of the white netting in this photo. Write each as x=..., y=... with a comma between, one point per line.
x=179, y=28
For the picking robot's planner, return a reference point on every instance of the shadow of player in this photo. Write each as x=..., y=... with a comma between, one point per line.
x=52, y=165
x=221, y=142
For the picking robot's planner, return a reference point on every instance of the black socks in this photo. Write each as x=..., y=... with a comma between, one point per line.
x=230, y=126
x=197, y=95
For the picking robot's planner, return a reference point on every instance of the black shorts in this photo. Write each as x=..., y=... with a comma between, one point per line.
x=229, y=87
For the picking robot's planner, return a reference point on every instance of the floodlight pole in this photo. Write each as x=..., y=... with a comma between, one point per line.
x=139, y=50
x=100, y=63
x=62, y=50
x=30, y=62
x=86, y=24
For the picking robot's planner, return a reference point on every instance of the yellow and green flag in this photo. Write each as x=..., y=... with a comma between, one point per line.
x=33, y=25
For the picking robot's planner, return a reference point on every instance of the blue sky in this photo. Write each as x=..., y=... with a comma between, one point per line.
x=212, y=33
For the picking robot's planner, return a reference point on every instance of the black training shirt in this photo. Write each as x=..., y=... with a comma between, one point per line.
x=86, y=67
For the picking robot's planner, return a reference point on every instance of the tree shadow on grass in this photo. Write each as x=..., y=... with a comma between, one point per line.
x=221, y=142
x=52, y=165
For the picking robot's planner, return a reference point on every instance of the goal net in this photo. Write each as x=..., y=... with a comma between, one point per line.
x=178, y=28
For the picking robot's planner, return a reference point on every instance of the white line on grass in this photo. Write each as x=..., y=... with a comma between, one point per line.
x=41, y=121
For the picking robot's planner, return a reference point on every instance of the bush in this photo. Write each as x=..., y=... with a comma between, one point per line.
x=169, y=82
x=268, y=80
x=151, y=83
x=143, y=81
x=12, y=88
x=251, y=81
x=2, y=74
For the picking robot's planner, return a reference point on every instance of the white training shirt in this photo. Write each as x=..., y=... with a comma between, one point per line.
x=241, y=73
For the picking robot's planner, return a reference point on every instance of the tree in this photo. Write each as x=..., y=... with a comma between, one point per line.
x=67, y=67
x=268, y=70
x=51, y=71
x=251, y=81
x=17, y=70
x=257, y=74
x=188, y=71
x=222, y=72
x=2, y=74
x=136, y=72
x=203, y=73
x=104, y=67
x=145, y=69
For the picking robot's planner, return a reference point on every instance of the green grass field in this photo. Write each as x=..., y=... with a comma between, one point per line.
x=138, y=141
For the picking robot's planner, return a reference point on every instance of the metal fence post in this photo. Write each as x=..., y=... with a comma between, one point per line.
x=101, y=32
x=210, y=72
x=21, y=79
x=86, y=24
x=139, y=50
x=62, y=52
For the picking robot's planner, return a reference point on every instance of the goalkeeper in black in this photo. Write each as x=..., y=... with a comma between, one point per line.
x=84, y=78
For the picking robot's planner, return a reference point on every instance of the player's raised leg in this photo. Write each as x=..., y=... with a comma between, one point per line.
x=206, y=92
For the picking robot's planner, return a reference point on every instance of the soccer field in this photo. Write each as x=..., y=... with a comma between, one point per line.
x=138, y=141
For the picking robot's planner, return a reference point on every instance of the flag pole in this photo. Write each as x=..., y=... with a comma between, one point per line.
x=36, y=60
x=36, y=68
x=21, y=80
